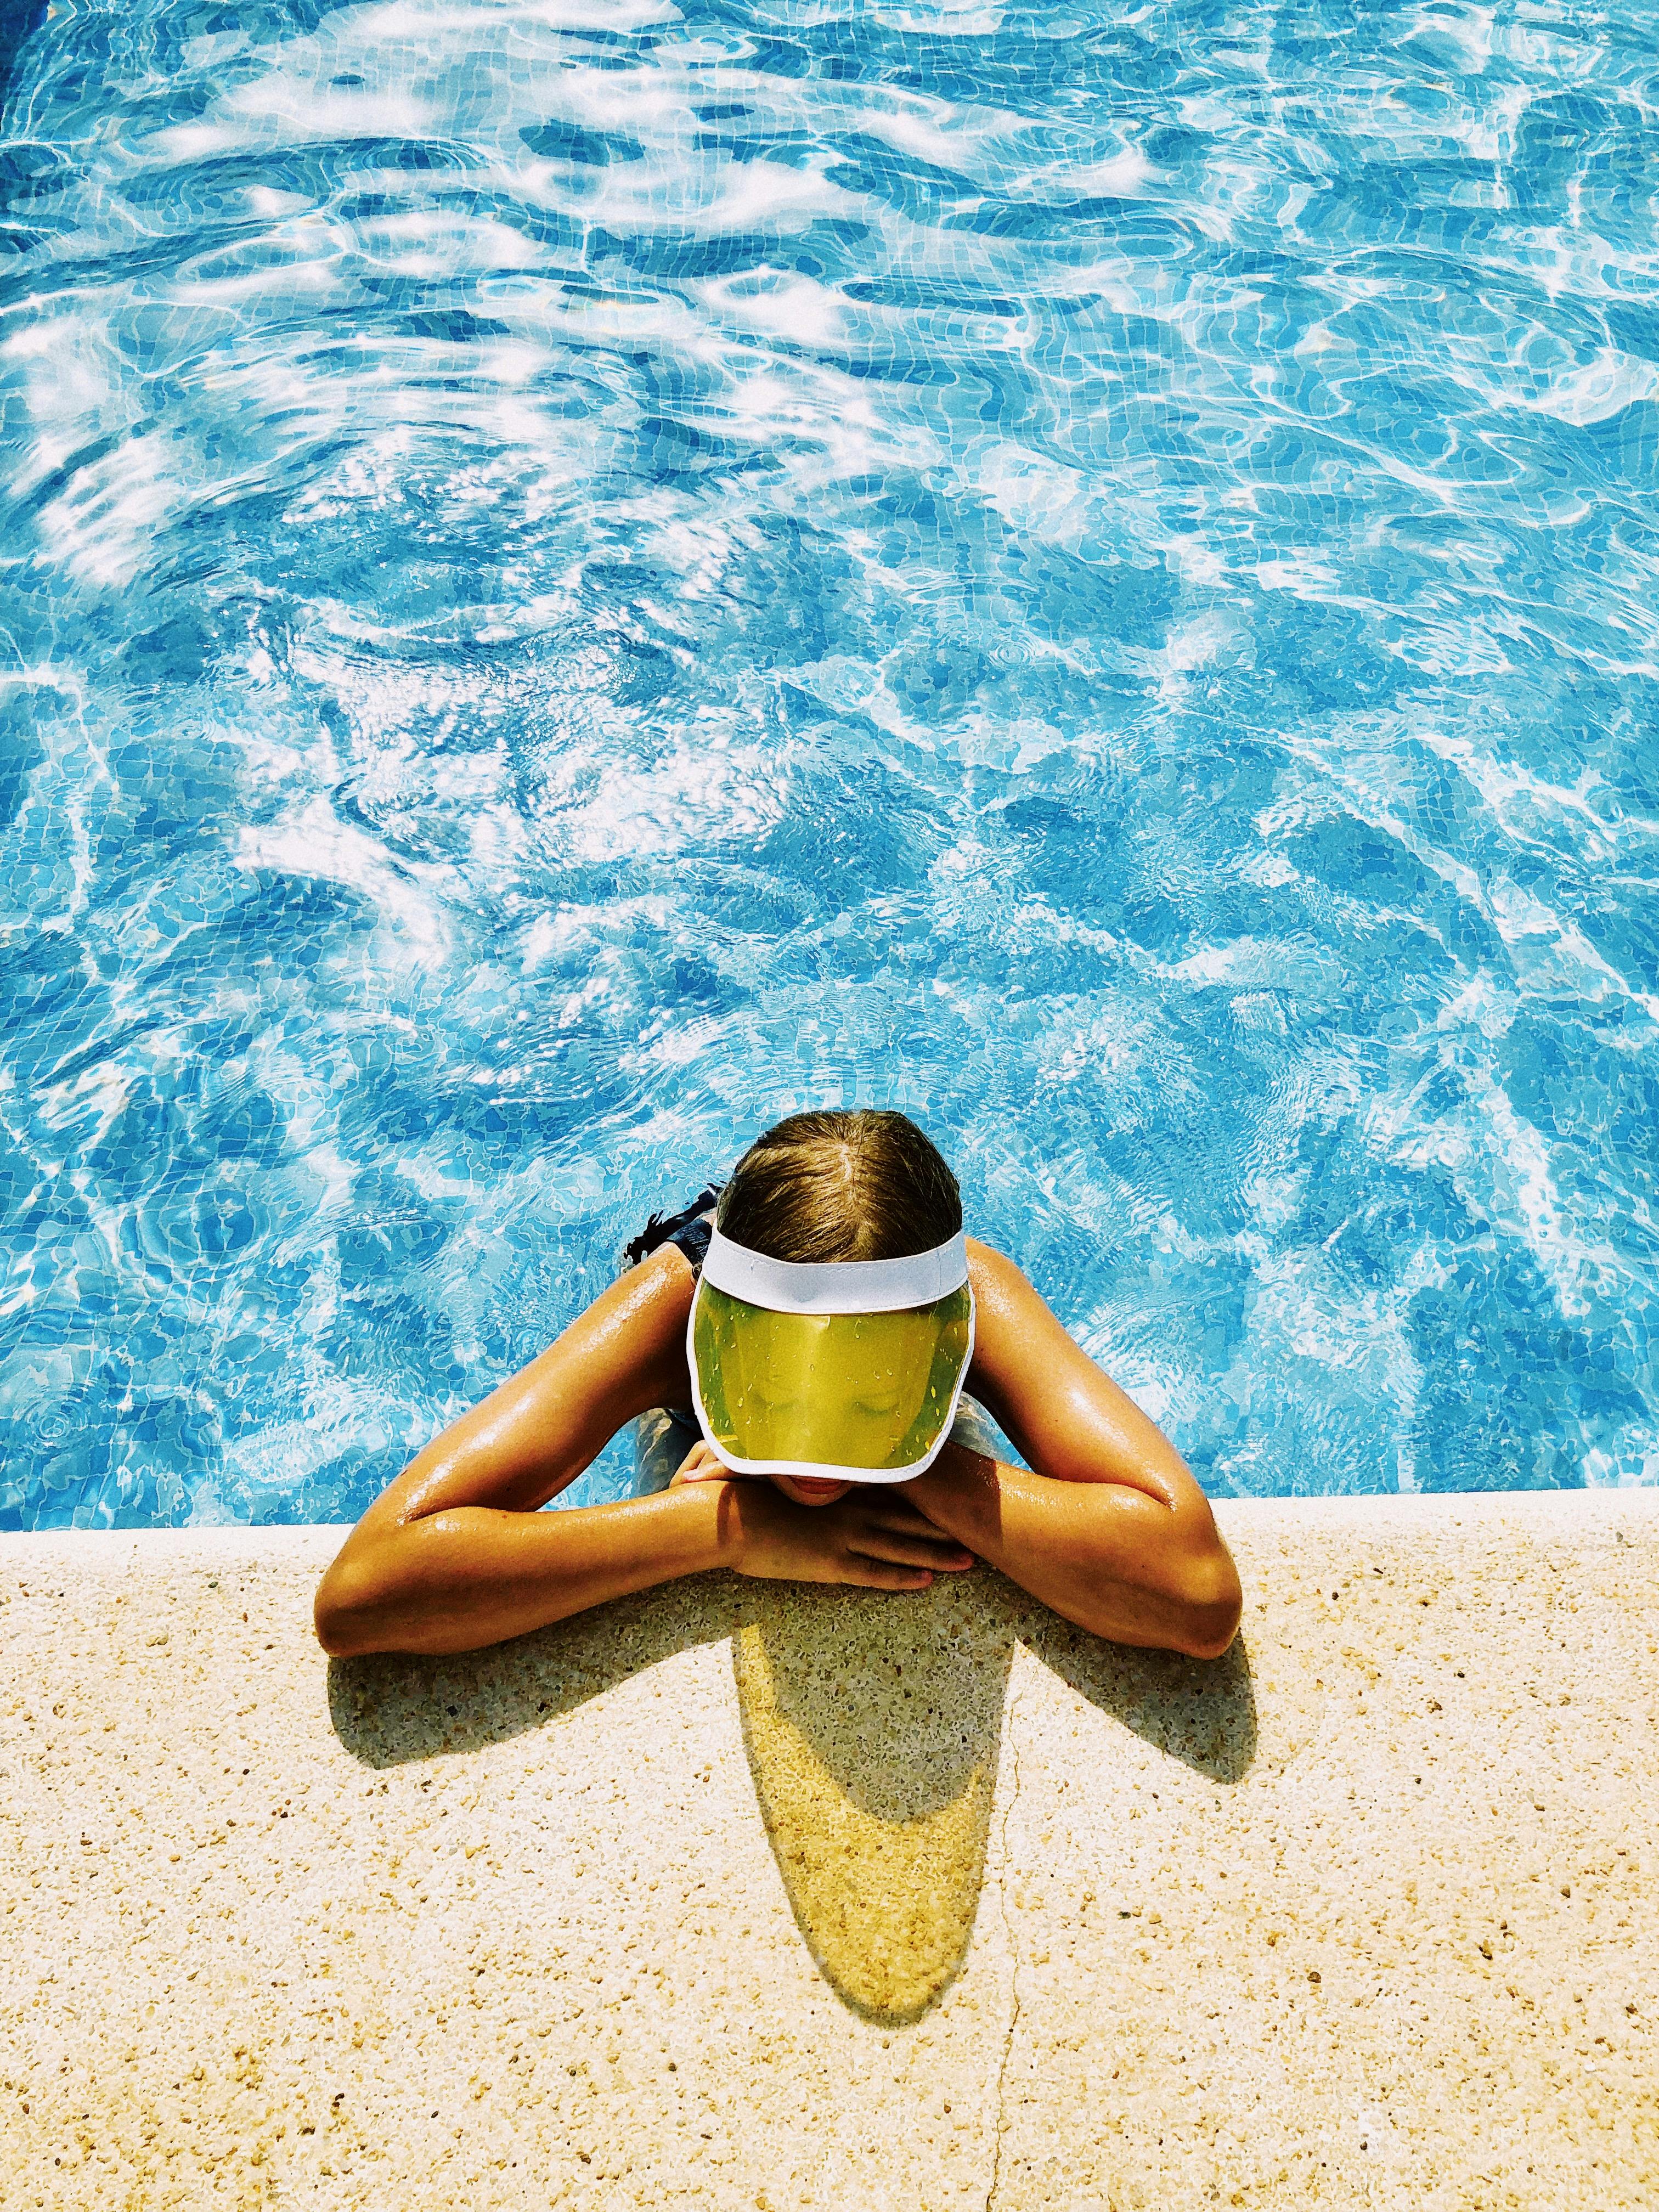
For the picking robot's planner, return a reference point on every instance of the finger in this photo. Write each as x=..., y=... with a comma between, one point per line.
x=909, y=1551
x=701, y=1464
x=902, y=1521
x=882, y=1573
x=904, y=1527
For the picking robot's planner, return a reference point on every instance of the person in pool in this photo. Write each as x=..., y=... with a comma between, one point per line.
x=801, y=1351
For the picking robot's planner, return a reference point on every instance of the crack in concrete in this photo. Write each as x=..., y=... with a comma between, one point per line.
x=1013, y=1961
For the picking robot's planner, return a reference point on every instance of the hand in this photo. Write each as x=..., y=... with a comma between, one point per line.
x=875, y=1538
x=699, y=1465
x=872, y=1539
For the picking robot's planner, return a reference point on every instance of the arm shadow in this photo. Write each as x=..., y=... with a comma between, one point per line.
x=873, y=1727
x=390, y=1708
x=1201, y=1711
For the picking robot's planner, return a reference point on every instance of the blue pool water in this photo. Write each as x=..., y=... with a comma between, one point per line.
x=581, y=573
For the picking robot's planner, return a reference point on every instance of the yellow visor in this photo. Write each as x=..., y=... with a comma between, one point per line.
x=819, y=1371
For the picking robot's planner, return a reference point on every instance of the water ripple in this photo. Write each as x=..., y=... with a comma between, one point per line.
x=577, y=578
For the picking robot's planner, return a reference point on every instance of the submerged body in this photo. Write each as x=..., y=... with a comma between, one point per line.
x=1105, y=1523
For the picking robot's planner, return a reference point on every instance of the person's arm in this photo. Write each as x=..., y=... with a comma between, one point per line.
x=454, y=1555
x=1111, y=1530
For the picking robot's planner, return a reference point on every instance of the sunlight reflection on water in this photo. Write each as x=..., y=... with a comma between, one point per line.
x=578, y=578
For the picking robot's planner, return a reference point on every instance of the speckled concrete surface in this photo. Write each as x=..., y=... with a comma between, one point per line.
x=1364, y=1915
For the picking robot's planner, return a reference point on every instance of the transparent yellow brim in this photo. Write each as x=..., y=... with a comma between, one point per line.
x=855, y=1397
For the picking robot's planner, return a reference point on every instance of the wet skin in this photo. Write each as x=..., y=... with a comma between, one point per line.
x=1105, y=1524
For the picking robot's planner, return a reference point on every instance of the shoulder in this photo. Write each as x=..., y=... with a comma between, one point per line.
x=1014, y=1326
x=661, y=1283
x=998, y=1280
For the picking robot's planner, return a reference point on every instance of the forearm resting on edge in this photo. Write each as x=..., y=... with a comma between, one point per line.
x=1114, y=1560
x=466, y=1576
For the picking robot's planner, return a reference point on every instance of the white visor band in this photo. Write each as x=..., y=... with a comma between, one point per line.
x=841, y=1286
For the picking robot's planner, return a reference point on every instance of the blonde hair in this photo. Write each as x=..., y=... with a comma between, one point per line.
x=841, y=1184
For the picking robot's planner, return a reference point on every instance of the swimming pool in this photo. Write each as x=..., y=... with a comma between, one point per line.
x=580, y=576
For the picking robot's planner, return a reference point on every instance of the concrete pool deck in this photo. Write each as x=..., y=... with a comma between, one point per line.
x=733, y=1896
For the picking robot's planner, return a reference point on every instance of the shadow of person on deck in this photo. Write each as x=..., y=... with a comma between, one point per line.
x=872, y=1727
x=873, y=1731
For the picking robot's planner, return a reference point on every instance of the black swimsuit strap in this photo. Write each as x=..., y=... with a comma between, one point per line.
x=687, y=1229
